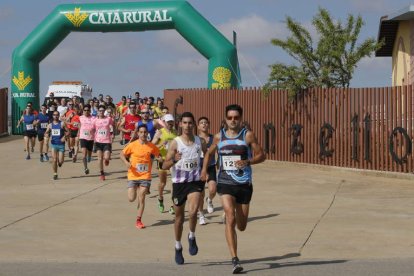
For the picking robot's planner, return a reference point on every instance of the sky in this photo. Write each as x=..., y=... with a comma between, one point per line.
x=119, y=64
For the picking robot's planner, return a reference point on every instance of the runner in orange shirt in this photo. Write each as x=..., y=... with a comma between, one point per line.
x=72, y=123
x=137, y=158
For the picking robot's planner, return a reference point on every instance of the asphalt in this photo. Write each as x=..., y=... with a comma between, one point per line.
x=304, y=219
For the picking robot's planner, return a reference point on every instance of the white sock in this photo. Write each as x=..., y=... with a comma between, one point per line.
x=191, y=235
x=178, y=245
x=209, y=200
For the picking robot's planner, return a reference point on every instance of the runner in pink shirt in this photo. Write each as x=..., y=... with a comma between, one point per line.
x=86, y=135
x=103, y=138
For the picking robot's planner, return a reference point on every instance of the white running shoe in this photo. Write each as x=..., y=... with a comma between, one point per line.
x=210, y=207
x=202, y=220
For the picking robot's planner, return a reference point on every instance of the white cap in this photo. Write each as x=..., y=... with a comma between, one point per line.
x=168, y=117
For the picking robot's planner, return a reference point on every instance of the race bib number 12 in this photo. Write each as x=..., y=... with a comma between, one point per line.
x=229, y=162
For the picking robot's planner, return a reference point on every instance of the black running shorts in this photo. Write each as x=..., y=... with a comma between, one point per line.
x=242, y=193
x=180, y=191
x=88, y=144
x=103, y=146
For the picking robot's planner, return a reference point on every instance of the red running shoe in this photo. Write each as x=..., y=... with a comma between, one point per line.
x=139, y=224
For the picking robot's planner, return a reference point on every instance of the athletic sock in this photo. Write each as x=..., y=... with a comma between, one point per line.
x=191, y=235
x=178, y=245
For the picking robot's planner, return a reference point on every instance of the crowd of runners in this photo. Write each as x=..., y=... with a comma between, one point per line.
x=148, y=134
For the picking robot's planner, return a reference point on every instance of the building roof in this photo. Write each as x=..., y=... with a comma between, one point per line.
x=388, y=29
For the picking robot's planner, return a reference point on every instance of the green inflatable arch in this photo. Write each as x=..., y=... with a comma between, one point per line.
x=118, y=17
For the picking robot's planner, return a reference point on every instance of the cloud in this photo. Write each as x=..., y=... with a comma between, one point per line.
x=6, y=13
x=91, y=48
x=187, y=65
x=173, y=40
x=253, y=31
x=382, y=6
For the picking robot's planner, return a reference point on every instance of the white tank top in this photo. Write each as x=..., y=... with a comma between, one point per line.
x=188, y=168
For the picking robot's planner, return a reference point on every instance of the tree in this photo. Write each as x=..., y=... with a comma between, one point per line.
x=330, y=64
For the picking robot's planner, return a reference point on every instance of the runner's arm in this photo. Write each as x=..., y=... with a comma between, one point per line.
x=172, y=156
x=258, y=154
x=156, y=137
x=211, y=151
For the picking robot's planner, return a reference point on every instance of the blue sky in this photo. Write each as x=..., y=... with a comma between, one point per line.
x=121, y=63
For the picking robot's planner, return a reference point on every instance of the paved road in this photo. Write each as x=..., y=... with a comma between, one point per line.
x=304, y=219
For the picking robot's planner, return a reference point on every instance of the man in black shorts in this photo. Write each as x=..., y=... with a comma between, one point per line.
x=183, y=156
x=234, y=145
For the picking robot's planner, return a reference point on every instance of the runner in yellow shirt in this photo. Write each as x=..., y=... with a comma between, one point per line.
x=162, y=139
x=137, y=158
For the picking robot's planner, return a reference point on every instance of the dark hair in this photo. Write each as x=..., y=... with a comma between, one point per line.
x=87, y=105
x=101, y=106
x=234, y=107
x=144, y=126
x=123, y=97
x=43, y=105
x=202, y=118
x=187, y=115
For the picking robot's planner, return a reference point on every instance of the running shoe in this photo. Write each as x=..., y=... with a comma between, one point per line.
x=46, y=157
x=28, y=157
x=192, y=246
x=139, y=224
x=41, y=158
x=86, y=171
x=32, y=149
x=202, y=220
x=102, y=177
x=237, y=268
x=171, y=211
x=161, y=205
x=74, y=158
x=179, y=259
x=210, y=207
x=106, y=162
x=70, y=154
x=55, y=177
x=60, y=164
x=89, y=158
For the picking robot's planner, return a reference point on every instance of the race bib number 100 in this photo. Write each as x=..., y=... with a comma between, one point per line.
x=189, y=165
x=229, y=162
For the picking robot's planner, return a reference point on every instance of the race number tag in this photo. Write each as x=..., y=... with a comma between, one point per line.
x=55, y=132
x=101, y=132
x=229, y=162
x=29, y=127
x=142, y=168
x=43, y=125
x=189, y=164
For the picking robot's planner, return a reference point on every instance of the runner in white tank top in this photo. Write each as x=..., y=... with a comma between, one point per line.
x=183, y=156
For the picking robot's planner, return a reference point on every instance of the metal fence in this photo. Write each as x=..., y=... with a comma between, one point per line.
x=3, y=111
x=364, y=128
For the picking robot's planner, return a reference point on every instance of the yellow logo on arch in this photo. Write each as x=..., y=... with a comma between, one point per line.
x=222, y=76
x=76, y=17
x=21, y=82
